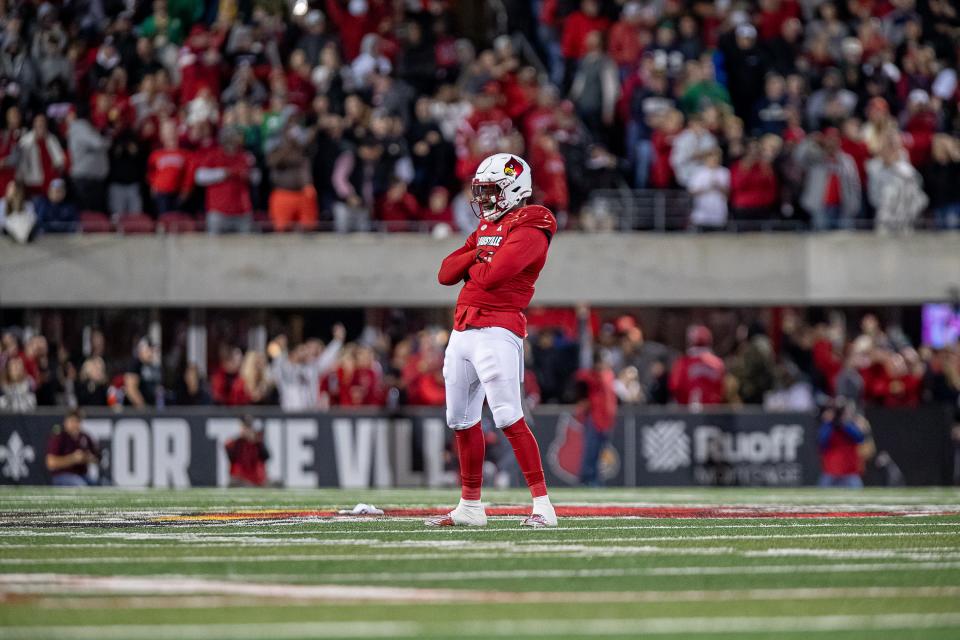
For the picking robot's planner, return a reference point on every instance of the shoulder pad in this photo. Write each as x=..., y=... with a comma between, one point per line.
x=537, y=217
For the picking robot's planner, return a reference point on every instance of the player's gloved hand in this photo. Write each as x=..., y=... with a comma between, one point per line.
x=484, y=256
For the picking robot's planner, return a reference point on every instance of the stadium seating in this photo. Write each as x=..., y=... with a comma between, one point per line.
x=95, y=222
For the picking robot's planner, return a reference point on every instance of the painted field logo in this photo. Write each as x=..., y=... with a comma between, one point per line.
x=666, y=445
x=16, y=456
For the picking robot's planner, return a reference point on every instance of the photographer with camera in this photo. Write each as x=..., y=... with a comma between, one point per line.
x=70, y=452
x=845, y=444
x=248, y=456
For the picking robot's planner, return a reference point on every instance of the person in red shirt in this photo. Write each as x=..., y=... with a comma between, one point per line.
x=70, y=452
x=552, y=187
x=754, y=188
x=167, y=169
x=597, y=411
x=226, y=384
x=399, y=210
x=359, y=379
x=499, y=264
x=852, y=144
x=200, y=65
x=627, y=37
x=839, y=440
x=9, y=146
x=438, y=210
x=248, y=456
x=481, y=131
x=227, y=171
x=697, y=378
x=577, y=26
x=355, y=20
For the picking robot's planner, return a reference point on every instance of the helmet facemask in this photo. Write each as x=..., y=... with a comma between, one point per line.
x=487, y=201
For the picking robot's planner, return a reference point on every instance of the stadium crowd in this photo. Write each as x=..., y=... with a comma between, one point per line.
x=797, y=366
x=373, y=114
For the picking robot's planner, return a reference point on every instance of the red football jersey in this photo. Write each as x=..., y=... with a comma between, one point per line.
x=500, y=263
x=698, y=377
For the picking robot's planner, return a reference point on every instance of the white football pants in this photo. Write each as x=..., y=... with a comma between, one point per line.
x=483, y=363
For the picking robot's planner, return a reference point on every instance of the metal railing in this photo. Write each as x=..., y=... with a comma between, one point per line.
x=663, y=210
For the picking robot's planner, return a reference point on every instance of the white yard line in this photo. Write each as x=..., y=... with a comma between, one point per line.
x=565, y=574
x=200, y=536
x=164, y=588
x=493, y=628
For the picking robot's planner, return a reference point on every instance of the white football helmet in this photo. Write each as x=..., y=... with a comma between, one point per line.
x=502, y=182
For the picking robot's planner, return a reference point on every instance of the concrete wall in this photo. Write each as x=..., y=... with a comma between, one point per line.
x=400, y=270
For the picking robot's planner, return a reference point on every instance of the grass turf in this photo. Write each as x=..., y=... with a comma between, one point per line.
x=109, y=564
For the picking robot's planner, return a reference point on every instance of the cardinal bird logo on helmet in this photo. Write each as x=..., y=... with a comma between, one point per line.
x=513, y=167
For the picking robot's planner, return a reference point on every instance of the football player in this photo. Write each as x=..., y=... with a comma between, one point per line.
x=498, y=266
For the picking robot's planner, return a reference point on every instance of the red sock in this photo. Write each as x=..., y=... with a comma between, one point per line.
x=471, y=447
x=528, y=456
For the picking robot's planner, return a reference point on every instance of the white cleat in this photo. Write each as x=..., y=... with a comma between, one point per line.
x=544, y=516
x=462, y=516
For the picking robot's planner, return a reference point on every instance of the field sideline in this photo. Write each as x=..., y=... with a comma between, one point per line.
x=238, y=564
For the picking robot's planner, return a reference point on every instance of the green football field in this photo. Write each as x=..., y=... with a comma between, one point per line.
x=681, y=563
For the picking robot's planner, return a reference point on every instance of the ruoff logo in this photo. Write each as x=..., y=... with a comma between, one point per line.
x=666, y=445
x=16, y=456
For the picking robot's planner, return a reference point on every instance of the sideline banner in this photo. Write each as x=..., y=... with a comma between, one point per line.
x=184, y=448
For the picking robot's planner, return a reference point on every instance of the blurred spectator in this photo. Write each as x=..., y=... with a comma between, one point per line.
x=690, y=148
x=297, y=373
x=596, y=401
x=438, y=212
x=126, y=172
x=226, y=385
x=745, y=67
x=227, y=172
x=191, y=389
x=894, y=188
x=248, y=456
x=769, y=113
x=754, y=186
x=17, y=216
x=709, y=184
x=293, y=200
x=54, y=213
x=754, y=364
x=595, y=87
x=398, y=210
x=89, y=162
x=942, y=182
x=16, y=390
x=791, y=392
x=257, y=382
x=359, y=178
x=10, y=146
x=576, y=28
x=167, y=169
x=358, y=379
x=831, y=186
x=141, y=382
x=464, y=216
x=70, y=452
x=842, y=431
x=701, y=89
x=91, y=388
x=627, y=37
x=41, y=157
x=697, y=378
